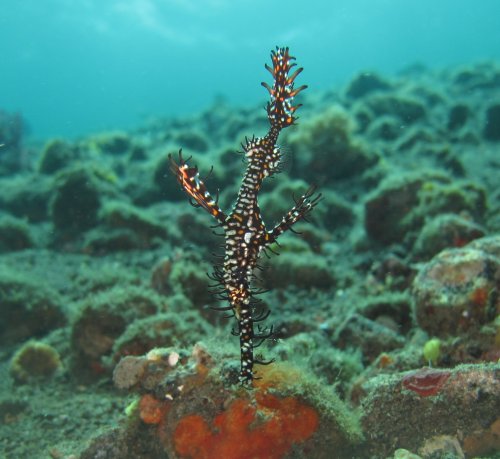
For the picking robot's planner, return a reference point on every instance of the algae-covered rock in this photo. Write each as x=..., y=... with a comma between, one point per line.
x=445, y=231
x=114, y=143
x=306, y=270
x=314, y=350
x=12, y=410
x=392, y=310
x=407, y=109
x=458, y=116
x=337, y=366
x=102, y=318
x=190, y=278
x=15, y=235
x=102, y=241
x=399, y=206
x=482, y=76
x=366, y=83
x=394, y=272
x=402, y=453
x=34, y=361
x=186, y=410
x=138, y=371
x=160, y=275
x=56, y=155
x=370, y=336
x=194, y=226
x=280, y=200
x=334, y=212
x=420, y=407
x=192, y=140
x=468, y=198
x=325, y=148
x=165, y=183
x=28, y=307
x=161, y=330
x=388, y=207
x=457, y=291
x=109, y=275
x=76, y=200
x=492, y=123
x=26, y=196
x=147, y=229
x=414, y=137
x=138, y=153
x=385, y=128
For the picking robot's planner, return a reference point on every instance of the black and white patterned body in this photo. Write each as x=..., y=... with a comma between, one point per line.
x=245, y=233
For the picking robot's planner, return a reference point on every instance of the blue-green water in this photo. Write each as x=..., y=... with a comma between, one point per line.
x=73, y=67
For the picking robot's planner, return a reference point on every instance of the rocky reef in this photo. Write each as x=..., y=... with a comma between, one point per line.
x=386, y=307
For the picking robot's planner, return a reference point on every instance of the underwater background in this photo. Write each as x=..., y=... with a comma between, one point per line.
x=384, y=308
x=79, y=67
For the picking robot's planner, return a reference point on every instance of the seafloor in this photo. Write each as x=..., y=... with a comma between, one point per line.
x=386, y=306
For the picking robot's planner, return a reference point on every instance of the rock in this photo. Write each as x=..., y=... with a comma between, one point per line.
x=192, y=140
x=397, y=209
x=102, y=241
x=185, y=411
x=194, y=225
x=458, y=116
x=406, y=109
x=492, y=123
x=422, y=406
x=371, y=337
x=481, y=77
x=28, y=308
x=101, y=320
x=76, y=200
x=334, y=212
x=326, y=150
x=385, y=128
x=26, y=196
x=445, y=231
x=392, y=310
x=118, y=215
x=387, y=209
x=148, y=372
x=114, y=143
x=305, y=271
x=277, y=203
x=366, y=83
x=56, y=155
x=165, y=183
x=160, y=276
x=129, y=371
x=161, y=330
x=457, y=291
x=15, y=235
x=189, y=277
x=34, y=361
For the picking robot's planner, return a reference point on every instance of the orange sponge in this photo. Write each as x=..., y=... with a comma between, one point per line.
x=151, y=410
x=266, y=430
